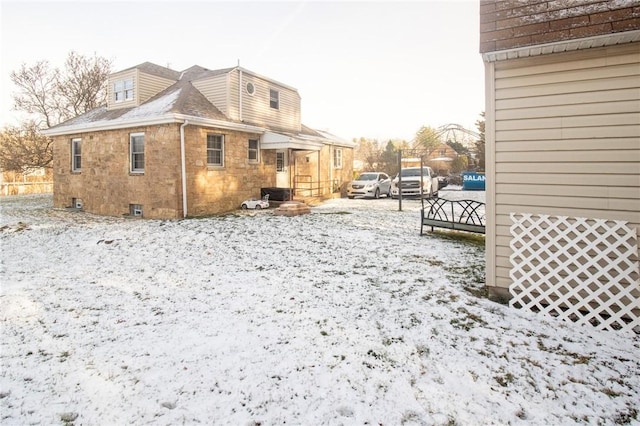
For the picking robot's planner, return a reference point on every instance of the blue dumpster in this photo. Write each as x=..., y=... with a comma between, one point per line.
x=473, y=181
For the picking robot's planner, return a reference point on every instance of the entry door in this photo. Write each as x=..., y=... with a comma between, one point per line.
x=282, y=169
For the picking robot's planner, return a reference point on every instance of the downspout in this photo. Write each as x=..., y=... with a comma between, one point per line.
x=240, y=93
x=183, y=164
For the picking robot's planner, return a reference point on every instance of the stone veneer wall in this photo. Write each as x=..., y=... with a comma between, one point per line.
x=221, y=189
x=508, y=24
x=106, y=186
x=105, y=183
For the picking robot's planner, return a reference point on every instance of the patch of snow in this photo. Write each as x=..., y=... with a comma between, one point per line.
x=342, y=316
x=154, y=108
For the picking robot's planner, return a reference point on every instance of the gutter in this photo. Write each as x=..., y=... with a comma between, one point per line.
x=183, y=165
x=164, y=119
x=563, y=46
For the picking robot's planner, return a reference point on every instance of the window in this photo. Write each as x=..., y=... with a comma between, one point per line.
x=76, y=154
x=123, y=90
x=280, y=164
x=136, y=150
x=337, y=158
x=253, y=150
x=215, y=150
x=274, y=99
x=443, y=152
x=135, y=210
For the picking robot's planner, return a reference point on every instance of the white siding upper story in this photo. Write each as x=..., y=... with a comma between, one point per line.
x=150, y=85
x=144, y=87
x=566, y=141
x=228, y=91
x=131, y=75
x=216, y=90
x=237, y=103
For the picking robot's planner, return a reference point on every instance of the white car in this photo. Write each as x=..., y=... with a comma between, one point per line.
x=254, y=203
x=370, y=184
x=416, y=182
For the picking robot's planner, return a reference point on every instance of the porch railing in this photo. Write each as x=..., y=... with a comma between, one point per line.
x=305, y=186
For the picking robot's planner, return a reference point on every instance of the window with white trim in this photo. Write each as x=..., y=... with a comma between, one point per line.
x=337, y=158
x=123, y=90
x=274, y=99
x=136, y=152
x=76, y=154
x=253, y=150
x=215, y=150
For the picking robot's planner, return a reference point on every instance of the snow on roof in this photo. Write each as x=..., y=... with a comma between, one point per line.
x=153, y=108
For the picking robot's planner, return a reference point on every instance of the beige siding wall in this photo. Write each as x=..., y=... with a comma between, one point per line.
x=225, y=93
x=215, y=89
x=150, y=85
x=124, y=75
x=255, y=108
x=566, y=141
x=145, y=86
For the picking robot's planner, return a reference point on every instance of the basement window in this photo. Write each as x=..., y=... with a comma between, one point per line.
x=135, y=210
x=76, y=203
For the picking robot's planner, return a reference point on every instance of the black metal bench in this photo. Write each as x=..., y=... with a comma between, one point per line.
x=459, y=215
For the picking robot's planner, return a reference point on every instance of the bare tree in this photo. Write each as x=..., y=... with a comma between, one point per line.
x=50, y=96
x=37, y=93
x=24, y=148
x=83, y=85
x=368, y=151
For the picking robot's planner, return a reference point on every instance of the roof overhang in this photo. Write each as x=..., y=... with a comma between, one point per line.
x=115, y=124
x=269, y=139
x=272, y=140
x=563, y=46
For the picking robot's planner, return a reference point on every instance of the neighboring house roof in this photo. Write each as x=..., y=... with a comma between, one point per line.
x=182, y=102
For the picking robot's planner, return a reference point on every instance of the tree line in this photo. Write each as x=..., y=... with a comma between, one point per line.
x=383, y=157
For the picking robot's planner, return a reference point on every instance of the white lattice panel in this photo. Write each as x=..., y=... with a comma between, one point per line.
x=582, y=270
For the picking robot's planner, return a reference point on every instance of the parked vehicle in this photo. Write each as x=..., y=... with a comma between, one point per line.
x=443, y=181
x=255, y=203
x=411, y=184
x=370, y=184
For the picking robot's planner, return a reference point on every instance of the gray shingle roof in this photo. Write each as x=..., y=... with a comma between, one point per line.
x=180, y=98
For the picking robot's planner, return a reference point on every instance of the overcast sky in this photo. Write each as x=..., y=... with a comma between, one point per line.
x=372, y=69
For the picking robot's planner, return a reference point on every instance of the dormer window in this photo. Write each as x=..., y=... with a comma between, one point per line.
x=274, y=99
x=123, y=90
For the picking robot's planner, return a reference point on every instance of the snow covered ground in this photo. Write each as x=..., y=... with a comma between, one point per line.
x=343, y=316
